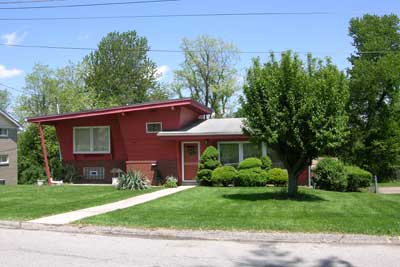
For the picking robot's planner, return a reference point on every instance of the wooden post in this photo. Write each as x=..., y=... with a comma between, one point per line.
x=46, y=163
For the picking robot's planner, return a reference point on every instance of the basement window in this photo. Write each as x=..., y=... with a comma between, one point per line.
x=95, y=173
x=4, y=160
x=153, y=127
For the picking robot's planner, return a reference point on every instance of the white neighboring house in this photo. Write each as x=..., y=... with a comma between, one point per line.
x=9, y=128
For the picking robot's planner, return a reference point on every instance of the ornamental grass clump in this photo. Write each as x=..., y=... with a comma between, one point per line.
x=132, y=180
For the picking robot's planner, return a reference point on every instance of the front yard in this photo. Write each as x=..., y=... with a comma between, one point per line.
x=24, y=202
x=262, y=209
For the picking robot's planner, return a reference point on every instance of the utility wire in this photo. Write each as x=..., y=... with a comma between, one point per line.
x=89, y=5
x=193, y=51
x=29, y=1
x=316, y=13
x=11, y=88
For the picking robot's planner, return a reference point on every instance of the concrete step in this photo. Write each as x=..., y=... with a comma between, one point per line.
x=189, y=182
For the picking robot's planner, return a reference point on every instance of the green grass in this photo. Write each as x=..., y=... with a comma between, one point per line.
x=263, y=209
x=390, y=184
x=25, y=202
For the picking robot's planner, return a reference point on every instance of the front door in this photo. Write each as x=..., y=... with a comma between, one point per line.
x=190, y=160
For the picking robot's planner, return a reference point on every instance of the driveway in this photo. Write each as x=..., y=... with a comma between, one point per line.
x=42, y=248
x=389, y=190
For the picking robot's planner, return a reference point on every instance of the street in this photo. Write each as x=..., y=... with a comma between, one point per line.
x=42, y=248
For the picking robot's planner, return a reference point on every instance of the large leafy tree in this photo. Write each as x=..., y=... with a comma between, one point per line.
x=4, y=99
x=375, y=94
x=47, y=91
x=208, y=73
x=297, y=108
x=120, y=71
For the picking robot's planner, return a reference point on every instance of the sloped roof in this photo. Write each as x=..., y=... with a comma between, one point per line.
x=227, y=126
x=11, y=119
x=121, y=109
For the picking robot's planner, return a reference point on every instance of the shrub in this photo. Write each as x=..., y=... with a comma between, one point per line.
x=357, y=178
x=266, y=163
x=278, y=177
x=70, y=174
x=224, y=175
x=208, y=162
x=171, y=182
x=251, y=177
x=250, y=163
x=330, y=174
x=133, y=180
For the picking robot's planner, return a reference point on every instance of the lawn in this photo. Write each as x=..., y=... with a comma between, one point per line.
x=390, y=184
x=263, y=209
x=25, y=202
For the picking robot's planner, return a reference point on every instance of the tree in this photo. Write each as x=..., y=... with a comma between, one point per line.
x=374, y=106
x=120, y=72
x=49, y=91
x=297, y=109
x=4, y=99
x=208, y=72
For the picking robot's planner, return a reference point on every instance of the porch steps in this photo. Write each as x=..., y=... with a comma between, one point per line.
x=189, y=182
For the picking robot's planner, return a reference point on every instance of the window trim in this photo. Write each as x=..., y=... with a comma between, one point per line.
x=91, y=140
x=2, y=163
x=240, y=143
x=89, y=178
x=4, y=135
x=154, y=122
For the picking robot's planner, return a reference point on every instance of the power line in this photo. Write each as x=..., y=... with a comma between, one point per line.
x=11, y=88
x=29, y=1
x=312, y=13
x=193, y=51
x=89, y=5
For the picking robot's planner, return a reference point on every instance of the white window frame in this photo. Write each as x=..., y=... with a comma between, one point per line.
x=5, y=162
x=154, y=122
x=240, y=143
x=90, y=169
x=4, y=135
x=91, y=140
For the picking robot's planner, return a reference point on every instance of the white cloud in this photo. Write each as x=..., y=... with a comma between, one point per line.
x=13, y=38
x=9, y=73
x=162, y=71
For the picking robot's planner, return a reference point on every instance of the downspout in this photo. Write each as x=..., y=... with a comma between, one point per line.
x=45, y=154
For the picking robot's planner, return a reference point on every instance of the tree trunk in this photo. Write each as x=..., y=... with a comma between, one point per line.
x=292, y=186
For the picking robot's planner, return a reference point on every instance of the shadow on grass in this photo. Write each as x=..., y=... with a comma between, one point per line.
x=274, y=195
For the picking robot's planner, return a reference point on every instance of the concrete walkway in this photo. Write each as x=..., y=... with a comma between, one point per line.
x=72, y=216
x=389, y=190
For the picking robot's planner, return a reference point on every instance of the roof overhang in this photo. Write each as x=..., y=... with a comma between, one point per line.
x=190, y=103
x=182, y=133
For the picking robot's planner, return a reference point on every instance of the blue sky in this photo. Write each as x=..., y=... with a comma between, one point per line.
x=325, y=35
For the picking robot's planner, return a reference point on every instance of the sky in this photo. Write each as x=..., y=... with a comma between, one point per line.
x=323, y=35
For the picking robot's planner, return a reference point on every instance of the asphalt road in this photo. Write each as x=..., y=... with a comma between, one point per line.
x=42, y=248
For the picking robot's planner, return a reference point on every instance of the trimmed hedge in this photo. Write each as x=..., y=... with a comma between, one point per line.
x=330, y=174
x=224, y=175
x=251, y=177
x=266, y=163
x=208, y=162
x=250, y=163
x=278, y=177
x=357, y=178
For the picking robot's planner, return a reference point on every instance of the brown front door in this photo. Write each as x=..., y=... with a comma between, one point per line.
x=190, y=160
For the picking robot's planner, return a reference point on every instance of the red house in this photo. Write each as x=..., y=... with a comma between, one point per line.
x=158, y=138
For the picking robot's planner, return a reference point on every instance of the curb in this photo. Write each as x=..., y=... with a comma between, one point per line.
x=217, y=235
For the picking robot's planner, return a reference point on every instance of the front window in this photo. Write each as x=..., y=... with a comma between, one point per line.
x=3, y=159
x=232, y=153
x=92, y=139
x=96, y=173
